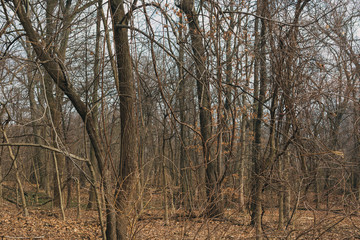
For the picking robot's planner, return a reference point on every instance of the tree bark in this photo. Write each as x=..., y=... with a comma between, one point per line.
x=260, y=88
x=214, y=203
x=163, y=173
x=94, y=100
x=185, y=172
x=128, y=151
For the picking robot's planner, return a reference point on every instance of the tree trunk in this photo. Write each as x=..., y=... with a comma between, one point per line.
x=69, y=182
x=17, y=174
x=214, y=203
x=260, y=88
x=58, y=186
x=287, y=192
x=38, y=165
x=163, y=173
x=54, y=102
x=78, y=199
x=94, y=100
x=185, y=172
x=128, y=150
x=281, y=194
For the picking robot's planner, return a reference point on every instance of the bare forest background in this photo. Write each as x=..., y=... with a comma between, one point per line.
x=210, y=119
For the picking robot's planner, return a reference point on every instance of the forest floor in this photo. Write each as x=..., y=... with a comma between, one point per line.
x=46, y=223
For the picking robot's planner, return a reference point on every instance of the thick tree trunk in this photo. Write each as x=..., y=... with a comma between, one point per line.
x=214, y=203
x=185, y=172
x=54, y=101
x=128, y=150
x=260, y=91
x=39, y=171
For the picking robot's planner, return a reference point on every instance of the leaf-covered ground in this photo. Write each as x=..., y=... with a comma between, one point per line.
x=48, y=224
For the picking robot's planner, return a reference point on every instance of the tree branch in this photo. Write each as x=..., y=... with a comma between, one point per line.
x=67, y=154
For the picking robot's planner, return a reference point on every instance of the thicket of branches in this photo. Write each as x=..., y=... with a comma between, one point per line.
x=219, y=108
